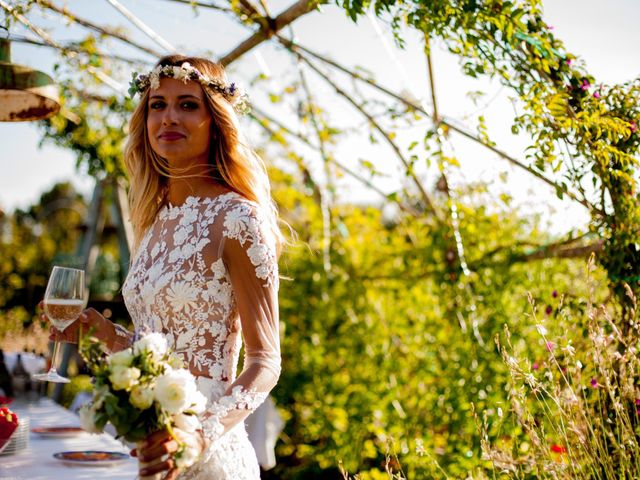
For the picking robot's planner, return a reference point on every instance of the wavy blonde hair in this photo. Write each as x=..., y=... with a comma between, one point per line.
x=233, y=163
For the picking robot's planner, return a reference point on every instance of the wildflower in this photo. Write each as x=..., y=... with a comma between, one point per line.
x=594, y=383
x=550, y=346
x=541, y=329
x=420, y=447
x=585, y=85
x=637, y=401
x=633, y=126
x=555, y=294
x=579, y=364
x=548, y=310
x=569, y=61
x=535, y=366
x=596, y=94
x=555, y=448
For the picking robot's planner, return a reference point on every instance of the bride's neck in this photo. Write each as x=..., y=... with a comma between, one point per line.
x=178, y=189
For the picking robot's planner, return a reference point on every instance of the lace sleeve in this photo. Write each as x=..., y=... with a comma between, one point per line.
x=249, y=252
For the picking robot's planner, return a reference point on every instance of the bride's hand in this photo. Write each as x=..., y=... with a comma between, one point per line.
x=88, y=319
x=161, y=444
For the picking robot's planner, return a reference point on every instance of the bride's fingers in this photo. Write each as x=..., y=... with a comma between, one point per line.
x=156, y=438
x=173, y=474
x=159, y=450
x=158, y=467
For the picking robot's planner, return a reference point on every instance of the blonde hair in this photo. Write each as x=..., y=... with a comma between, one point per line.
x=233, y=163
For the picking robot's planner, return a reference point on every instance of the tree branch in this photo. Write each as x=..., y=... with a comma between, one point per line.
x=268, y=28
x=102, y=30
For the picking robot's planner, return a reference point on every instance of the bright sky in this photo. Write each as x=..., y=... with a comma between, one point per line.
x=605, y=35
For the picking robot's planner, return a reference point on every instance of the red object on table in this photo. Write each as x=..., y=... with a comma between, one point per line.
x=8, y=425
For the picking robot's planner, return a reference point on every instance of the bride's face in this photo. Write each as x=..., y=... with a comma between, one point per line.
x=179, y=122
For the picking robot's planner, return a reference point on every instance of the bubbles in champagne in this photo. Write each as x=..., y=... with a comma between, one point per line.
x=63, y=312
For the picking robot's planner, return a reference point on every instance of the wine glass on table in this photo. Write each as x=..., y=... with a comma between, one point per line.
x=63, y=304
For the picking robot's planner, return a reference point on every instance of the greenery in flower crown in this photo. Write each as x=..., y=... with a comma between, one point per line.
x=185, y=72
x=143, y=389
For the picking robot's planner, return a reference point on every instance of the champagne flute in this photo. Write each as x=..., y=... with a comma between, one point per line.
x=63, y=304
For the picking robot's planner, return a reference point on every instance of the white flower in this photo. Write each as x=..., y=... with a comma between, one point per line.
x=174, y=390
x=87, y=419
x=123, y=378
x=175, y=361
x=182, y=296
x=141, y=396
x=198, y=403
x=154, y=78
x=541, y=329
x=154, y=343
x=122, y=358
x=189, y=452
x=180, y=236
x=234, y=223
x=258, y=253
x=187, y=423
x=190, y=215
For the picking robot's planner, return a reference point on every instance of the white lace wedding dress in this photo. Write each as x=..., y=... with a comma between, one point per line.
x=206, y=275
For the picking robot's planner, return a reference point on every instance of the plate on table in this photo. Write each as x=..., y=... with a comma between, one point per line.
x=92, y=458
x=57, y=432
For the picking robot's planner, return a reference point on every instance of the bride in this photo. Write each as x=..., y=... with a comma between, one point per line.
x=204, y=269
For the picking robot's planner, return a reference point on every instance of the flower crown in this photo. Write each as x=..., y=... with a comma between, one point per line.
x=185, y=72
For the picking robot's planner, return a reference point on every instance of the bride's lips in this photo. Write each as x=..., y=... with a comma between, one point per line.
x=170, y=136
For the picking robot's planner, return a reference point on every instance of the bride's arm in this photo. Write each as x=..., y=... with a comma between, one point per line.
x=249, y=253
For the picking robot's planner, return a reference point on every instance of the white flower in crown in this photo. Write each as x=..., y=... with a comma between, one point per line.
x=185, y=72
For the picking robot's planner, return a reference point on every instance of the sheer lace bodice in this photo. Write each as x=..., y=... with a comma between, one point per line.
x=206, y=276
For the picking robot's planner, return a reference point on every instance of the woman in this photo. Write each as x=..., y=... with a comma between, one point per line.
x=205, y=269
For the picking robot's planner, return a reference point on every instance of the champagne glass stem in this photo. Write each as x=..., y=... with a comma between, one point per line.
x=54, y=357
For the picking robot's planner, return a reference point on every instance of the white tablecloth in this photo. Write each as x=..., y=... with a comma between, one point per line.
x=37, y=461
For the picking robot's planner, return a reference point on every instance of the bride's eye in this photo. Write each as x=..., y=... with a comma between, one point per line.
x=156, y=105
x=189, y=105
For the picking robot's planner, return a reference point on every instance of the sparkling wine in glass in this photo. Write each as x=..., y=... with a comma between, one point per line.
x=63, y=304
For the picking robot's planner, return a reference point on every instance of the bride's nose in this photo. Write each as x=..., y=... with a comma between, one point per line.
x=170, y=116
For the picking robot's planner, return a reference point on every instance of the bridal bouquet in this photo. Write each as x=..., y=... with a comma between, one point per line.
x=140, y=390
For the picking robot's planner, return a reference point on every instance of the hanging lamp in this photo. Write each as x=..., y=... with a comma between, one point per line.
x=25, y=94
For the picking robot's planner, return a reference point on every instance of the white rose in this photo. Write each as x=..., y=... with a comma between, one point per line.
x=190, y=450
x=141, y=396
x=175, y=389
x=154, y=343
x=187, y=423
x=198, y=402
x=87, y=419
x=122, y=358
x=123, y=378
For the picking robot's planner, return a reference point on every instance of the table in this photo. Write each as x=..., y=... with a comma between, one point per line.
x=37, y=462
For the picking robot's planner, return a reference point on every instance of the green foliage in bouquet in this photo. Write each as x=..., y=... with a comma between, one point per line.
x=140, y=390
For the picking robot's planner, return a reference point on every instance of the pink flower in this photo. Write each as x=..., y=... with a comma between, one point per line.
x=596, y=94
x=633, y=126
x=594, y=383
x=585, y=85
x=535, y=366
x=569, y=61
x=550, y=346
x=548, y=310
x=637, y=401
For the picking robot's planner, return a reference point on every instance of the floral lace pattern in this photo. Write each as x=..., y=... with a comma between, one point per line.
x=206, y=276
